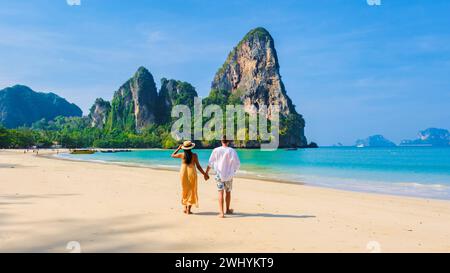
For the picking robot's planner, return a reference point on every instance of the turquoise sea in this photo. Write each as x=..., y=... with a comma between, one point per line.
x=410, y=171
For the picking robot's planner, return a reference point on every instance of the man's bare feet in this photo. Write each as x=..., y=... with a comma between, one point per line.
x=230, y=211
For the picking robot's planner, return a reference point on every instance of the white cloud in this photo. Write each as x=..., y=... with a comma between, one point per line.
x=73, y=2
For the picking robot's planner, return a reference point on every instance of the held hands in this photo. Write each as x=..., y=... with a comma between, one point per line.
x=206, y=177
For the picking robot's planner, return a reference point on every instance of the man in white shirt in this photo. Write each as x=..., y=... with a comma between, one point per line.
x=225, y=161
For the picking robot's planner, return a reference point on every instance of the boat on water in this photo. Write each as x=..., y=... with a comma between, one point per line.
x=115, y=151
x=82, y=152
x=291, y=149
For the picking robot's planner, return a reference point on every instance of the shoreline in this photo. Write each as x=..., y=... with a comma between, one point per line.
x=46, y=203
x=265, y=179
x=132, y=165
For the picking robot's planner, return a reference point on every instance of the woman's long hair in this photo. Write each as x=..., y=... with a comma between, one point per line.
x=188, y=156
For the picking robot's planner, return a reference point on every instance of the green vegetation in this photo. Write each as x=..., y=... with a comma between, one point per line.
x=5, y=138
x=75, y=132
x=172, y=93
x=219, y=97
x=122, y=112
x=259, y=32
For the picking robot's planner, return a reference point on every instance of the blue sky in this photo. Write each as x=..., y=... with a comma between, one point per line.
x=353, y=70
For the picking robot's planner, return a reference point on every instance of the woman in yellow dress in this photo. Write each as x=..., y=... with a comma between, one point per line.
x=188, y=175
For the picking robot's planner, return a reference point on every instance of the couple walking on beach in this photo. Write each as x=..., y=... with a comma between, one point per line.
x=225, y=162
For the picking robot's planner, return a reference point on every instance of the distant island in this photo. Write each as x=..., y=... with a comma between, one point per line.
x=138, y=116
x=430, y=137
x=375, y=141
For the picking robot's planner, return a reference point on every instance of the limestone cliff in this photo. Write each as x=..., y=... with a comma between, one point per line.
x=251, y=75
x=172, y=93
x=134, y=105
x=99, y=112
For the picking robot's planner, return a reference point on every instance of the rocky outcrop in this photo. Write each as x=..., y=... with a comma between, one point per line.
x=138, y=104
x=172, y=93
x=99, y=112
x=430, y=137
x=134, y=105
x=251, y=75
x=375, y=141
x=21, y=106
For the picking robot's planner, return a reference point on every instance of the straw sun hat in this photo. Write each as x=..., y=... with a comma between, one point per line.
x=188, y=145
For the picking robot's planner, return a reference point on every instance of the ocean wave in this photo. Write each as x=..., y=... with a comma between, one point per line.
x=420, y=185
x=163, y=166
x=416, y=189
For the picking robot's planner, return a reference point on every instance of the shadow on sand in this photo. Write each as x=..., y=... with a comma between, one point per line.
x=7, y=166
x=52, y=234
x=256, y=215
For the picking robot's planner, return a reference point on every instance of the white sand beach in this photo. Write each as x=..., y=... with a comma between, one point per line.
x=46, y=203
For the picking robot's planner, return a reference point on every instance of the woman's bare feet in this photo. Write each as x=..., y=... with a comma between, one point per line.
x=185, y=210
x=221, y=215
x=189, y=210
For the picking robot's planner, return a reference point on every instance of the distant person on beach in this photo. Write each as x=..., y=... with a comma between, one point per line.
x=225, y=161
x=188, y=175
